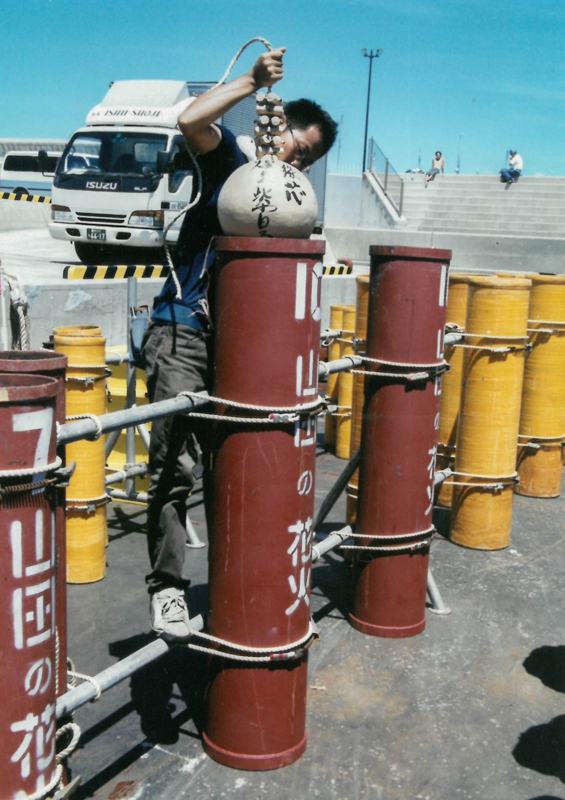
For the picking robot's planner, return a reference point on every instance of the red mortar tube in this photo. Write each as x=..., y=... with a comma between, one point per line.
x=267, y=323
x=407, y=308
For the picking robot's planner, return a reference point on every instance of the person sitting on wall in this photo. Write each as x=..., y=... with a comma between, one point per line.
x=513, y=171
x=438, y=164
x=177, y=345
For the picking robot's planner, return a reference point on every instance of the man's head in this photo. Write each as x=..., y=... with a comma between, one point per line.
x=438, y=154
x=512, y=152
x=308, y=135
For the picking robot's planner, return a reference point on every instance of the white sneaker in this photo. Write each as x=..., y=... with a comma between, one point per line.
x=169, y=614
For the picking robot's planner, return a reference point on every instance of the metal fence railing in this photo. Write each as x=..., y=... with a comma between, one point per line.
x=390, y=181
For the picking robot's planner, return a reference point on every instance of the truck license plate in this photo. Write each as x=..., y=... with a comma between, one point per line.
x=99, y=234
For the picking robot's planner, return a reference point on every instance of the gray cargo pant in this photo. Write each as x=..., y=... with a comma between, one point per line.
x=176, y=360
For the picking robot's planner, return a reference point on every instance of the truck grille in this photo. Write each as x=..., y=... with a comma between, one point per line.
x=101, y=219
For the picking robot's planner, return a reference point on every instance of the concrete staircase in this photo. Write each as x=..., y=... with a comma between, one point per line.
x=488, y=228
x=468, y=204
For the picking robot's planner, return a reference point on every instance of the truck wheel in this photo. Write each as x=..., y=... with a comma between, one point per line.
x=89, y=253
x=20, y=190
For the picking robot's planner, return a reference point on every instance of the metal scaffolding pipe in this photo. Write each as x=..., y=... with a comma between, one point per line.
x=119, y=494
x=80, y=695
x=192, y=538
x=438, y=606
x=131, y=374
x=330, y=333
x=83, y=428
x=336, y=538
x=111, y=442
x=338, y=487
x=452, y=338
x=115, y=359
x=332, y=540
x=144, y=434
x=326, y=368
x=120, y=475
x=442, y=475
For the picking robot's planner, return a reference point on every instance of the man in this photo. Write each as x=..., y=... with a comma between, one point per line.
x=177, y=344
x=514, y=170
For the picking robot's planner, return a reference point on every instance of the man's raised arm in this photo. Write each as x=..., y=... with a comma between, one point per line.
x=196, y=121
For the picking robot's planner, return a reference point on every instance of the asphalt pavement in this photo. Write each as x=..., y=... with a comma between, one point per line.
x=471, y=708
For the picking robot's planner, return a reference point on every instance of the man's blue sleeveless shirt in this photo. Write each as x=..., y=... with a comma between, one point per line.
x=199, y=226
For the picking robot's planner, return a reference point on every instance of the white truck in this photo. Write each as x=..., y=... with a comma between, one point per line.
x=123, y=177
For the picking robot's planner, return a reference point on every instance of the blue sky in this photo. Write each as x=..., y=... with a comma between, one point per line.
x=489, y=71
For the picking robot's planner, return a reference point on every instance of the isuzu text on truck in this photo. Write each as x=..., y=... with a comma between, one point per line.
x=127, y=174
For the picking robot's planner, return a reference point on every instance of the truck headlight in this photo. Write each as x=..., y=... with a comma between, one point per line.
x=147, y=219
x=62, y=214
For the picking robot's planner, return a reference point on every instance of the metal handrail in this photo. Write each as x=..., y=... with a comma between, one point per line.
x=385, y=174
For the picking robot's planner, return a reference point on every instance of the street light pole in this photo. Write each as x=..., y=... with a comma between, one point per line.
x=370, y=56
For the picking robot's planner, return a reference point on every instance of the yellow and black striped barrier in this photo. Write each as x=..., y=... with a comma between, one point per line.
x=117, y=271
x=338, y=269
x=25, y=198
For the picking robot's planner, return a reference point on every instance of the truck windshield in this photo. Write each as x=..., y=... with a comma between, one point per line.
x=112, y=153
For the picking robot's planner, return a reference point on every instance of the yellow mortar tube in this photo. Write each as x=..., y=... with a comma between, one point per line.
x=345, y=387
x=451, y=386
x=542, y=419
x=86, y=543
x=361, y=322
x=87, y=529
x=489, y=417
x=334, y=349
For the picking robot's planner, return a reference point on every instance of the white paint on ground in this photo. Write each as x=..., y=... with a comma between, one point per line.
x=191, y=763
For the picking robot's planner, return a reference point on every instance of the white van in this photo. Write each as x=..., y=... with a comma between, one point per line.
x=123, y=177
x=28, y=172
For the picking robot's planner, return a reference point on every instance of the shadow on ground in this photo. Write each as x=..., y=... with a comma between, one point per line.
x=548, y=664
x=547, y=797
x=163, y=710
x=541, y=748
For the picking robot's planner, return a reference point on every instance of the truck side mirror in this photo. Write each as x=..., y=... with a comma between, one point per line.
x=163, y=159
x=43, y=161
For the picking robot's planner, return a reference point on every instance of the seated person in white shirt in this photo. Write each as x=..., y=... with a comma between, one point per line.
x=514, y=169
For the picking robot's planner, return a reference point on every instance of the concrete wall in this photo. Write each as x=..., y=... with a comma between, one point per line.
x=343, y=201
x=470, y=252
x=374, y=211
x=352, y=202
x=15, y=216
x=335, y=291
x=102, y=303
